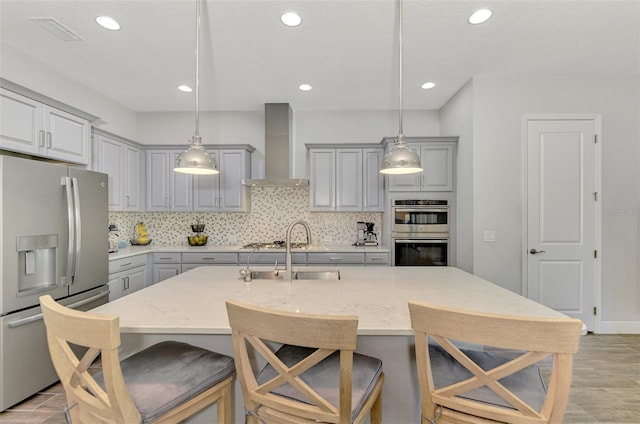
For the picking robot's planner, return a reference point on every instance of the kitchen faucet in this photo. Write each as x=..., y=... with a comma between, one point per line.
x=288, y=267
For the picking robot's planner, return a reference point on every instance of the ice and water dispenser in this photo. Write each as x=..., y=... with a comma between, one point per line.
x=36, y=263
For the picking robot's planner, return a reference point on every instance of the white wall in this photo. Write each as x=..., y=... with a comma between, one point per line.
x=215, y=128
x=456, y=118
x=356, y=127
x=37, y=76
x=498, y=106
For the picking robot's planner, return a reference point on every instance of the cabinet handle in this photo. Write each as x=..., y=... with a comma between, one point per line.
x=335, y=259
x=375, y=259
x=126, y=200
x=165, y=259
x=125, y=283
x=41, y=139
x=127, y=264
x=177, y=272
x=49, y=140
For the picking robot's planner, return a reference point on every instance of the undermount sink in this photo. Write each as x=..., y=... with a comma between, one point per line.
x=266, y=275
x=316, y=275
x=297, y=275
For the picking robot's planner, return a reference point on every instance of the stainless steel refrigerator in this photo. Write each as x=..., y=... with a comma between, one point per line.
x=53, y=241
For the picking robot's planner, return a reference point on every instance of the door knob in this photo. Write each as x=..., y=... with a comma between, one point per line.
x=535, y=252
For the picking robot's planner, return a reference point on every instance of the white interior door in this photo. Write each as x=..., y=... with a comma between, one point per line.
x=561, y=215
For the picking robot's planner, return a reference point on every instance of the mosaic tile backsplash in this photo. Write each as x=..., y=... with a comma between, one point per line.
x=272, y=210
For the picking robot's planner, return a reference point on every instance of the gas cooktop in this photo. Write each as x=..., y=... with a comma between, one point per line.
x=278, y=244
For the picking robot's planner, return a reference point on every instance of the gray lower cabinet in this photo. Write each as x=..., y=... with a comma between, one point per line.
x=166, y=265
x=335, y=258
x=170, y=264
x=210, y=258
x=376, y=258
x=270, y=258
x=127, y=275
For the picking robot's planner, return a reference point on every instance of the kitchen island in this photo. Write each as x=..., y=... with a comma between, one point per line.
x=190, y=307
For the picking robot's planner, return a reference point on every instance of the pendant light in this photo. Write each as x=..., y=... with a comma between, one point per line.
x=196, y=160
x=400, y=159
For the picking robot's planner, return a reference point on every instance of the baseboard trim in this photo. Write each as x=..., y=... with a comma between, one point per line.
x=619, y=327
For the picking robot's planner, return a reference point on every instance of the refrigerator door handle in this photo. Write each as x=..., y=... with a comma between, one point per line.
x=78, y=231
x=68, y=279
x=38, y=317
x=73, y=228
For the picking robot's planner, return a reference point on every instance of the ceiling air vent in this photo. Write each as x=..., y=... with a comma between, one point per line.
x=58, y=29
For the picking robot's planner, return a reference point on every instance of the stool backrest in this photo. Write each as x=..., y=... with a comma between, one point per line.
x=526, y=340
x=100, y=334
x=254, y=329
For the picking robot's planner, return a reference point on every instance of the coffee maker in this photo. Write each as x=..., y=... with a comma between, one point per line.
x=370, y=237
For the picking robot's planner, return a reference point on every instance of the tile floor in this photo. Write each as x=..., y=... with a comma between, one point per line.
x=605, y=387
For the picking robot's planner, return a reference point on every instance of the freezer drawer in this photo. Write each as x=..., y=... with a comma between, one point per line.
x=25, y=365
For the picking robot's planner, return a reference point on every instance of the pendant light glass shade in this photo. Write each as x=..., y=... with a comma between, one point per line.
x=196, y=160
x=400, y=159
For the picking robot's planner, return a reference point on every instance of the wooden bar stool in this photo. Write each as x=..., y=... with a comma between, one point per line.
x=460, y=385
x=165, y=383
x=311, y=374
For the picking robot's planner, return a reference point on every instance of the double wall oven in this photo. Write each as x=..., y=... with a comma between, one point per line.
x=420, y=232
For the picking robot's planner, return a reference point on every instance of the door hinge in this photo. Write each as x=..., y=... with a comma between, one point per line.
x=595, y=254
x=595, y=196
x=595, y=310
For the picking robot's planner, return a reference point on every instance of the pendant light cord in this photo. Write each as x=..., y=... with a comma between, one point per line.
x=400, y=130
x=197, y=68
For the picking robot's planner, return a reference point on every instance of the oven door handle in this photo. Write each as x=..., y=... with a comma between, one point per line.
x=422, y=241
x=425, y=209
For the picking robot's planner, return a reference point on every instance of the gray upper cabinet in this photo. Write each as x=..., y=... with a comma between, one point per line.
x=437, y=156
x=31, y=127
x=224, y=192
x=123, y=161
x=167, y=190
x=345, y=178
x=372, y=180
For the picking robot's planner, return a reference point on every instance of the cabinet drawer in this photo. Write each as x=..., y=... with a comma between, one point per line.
x=335, y=258
x=166, y=258
x=210, y=258
x=123, y=264
x=298, y=258
x=377, y=258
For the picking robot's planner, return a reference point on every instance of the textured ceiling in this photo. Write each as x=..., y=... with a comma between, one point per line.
x=346, y=49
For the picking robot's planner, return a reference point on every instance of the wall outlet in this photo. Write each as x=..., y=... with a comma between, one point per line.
x=490, y=236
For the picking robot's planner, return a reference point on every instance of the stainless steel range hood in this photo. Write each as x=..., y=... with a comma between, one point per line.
x=277, y=141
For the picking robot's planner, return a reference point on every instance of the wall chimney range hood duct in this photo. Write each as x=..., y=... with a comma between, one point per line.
x=277, y=142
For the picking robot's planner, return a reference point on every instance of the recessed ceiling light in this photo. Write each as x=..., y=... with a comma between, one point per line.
x=305, y=87
x=480, y=16
x=108, y=22
x=291, y=19
x=185, y=88
x=428, y=85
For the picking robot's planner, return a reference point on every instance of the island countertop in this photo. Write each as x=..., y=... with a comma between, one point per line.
x=193, y=302
x=190, y=308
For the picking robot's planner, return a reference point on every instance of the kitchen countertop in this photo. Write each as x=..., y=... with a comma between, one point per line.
x=193, y=302
x=190, y=308
x=139, y=250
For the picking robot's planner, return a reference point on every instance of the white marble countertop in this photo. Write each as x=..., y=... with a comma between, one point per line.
x=139, y=250
x=193, y=302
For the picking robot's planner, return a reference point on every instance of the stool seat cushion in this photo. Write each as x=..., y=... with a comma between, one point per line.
x=527, y=383
x=167, y=374
x=324, y=377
